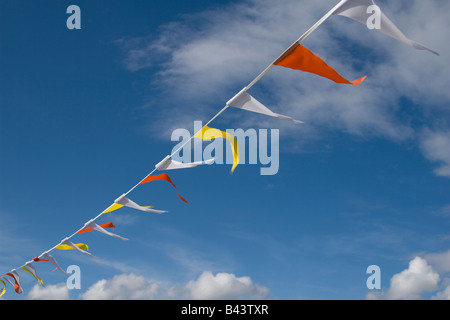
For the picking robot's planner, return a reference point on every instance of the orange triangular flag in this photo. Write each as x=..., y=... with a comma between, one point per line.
x=301, y=58
x=15, y=276
x=164, y=177
x=103, y=225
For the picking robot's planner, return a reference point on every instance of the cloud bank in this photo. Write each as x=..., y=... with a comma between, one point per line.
x=436, y=148
x=129, y=286
x=207, y=287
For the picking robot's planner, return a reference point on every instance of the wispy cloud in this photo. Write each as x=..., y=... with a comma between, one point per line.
x=436, y=148
x=15, y=244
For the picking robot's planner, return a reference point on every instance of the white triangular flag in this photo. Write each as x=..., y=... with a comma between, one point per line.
x=91, y=224
x=358, y=10
x=246, y=102
x=28, y=267
x=124, y=201
x=66, y=241
x=169, y=164
x=50, y=258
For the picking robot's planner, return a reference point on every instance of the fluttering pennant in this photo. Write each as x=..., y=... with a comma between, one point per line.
x=208, y=133
x=113, y=207
x=103, y=225
x=358, y=10
x=169, y=164
x=66, y=244
x=28, y=267
x=15, y=276
x=4, y=287
x=37, y=259
x=48, y=257
x=72, y=246
x=124, y=201
x=162, y=177
x=9, y=281
x=245, y=101
x=91, y=226
x=301, y=58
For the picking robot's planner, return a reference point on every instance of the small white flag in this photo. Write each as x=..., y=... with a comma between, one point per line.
x=359, y=10
x=124, y=201
x=169, y=164
x=50, y=258
x=28, y=267
x=91, y=224
x=69, y=243
x=246, y=102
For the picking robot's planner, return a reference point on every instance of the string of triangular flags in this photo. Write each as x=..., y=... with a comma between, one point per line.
x=296, y=57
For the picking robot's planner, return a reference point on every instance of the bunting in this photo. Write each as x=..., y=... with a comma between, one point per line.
x=91, y=226
x=359, y=10
x=169, y=164
x=296, y=57
x=15, y=276
x=208, y=133
x=246, y=102
x=9, y=281
x=103, y=225
x=4, y=287
x=301, y=58
x=113, y=207
x=48, y=257
x=124, y=201
x=37, y=259
x=66, y=244
x=28, y=267
x=162, y=177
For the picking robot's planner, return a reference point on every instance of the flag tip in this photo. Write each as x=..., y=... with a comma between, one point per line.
x=359, y=81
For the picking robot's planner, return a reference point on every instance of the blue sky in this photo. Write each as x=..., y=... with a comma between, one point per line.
x=86, y=114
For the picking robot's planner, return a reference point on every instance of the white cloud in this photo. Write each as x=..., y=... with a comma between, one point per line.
x=122, y=287
x=218, y=287
x=442, y=295
x=436, y=148
x=207, y=286
x=439, y=261
x=411, y=283
x=49, y=292
x=207, y=57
